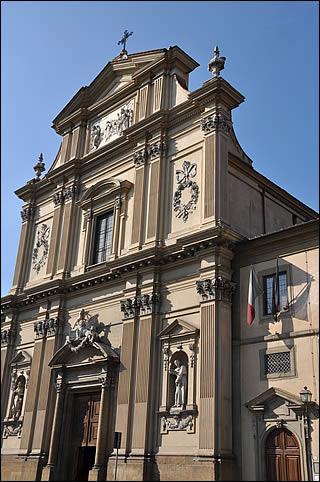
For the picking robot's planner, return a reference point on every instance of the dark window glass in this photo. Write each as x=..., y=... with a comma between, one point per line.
x=278, y=363
x=103, y=238
x=268, y=282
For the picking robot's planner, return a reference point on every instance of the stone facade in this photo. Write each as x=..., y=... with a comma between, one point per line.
x=151, y=340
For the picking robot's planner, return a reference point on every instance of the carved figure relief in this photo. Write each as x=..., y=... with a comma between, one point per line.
x=111, y=126
x=17, y=398
x=183, y=179
x=40, y=252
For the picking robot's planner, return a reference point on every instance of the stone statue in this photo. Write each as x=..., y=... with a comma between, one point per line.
x=181, y=384
x=96, y=133
x=80, y=324
x=17, y=399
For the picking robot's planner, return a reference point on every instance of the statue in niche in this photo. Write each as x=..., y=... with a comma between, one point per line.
x=180, y=383
x=17, y=398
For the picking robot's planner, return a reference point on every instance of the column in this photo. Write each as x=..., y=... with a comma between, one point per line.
x=108, y=380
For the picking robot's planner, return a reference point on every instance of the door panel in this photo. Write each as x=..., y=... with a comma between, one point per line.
x=282, y=456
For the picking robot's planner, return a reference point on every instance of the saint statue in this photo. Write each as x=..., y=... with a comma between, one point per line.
x=181, y=384
x=17, y=399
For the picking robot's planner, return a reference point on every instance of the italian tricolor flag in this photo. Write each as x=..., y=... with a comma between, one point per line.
x=254, y=292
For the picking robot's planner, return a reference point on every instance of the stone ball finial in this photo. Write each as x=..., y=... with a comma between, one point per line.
x=216, y=64
x=39, y=167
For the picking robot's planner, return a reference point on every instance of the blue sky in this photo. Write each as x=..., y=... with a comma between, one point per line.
x=49, y=50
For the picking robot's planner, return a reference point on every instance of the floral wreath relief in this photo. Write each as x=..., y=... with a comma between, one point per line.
x=183, y=179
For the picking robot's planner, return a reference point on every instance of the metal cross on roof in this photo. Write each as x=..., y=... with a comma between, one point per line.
x=125, y=37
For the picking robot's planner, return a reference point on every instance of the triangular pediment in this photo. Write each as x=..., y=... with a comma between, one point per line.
x=79, y=352
x=274, y=397
x=121, y=77
x=116, y=75
x=178, y=328
x=21, y=358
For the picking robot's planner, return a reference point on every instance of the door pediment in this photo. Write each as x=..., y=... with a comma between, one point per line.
x=83, y=352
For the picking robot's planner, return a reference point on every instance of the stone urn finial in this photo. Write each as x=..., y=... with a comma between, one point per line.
x=39, y=167
x=216, y=63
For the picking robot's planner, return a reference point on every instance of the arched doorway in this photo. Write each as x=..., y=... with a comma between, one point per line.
x=282, y=456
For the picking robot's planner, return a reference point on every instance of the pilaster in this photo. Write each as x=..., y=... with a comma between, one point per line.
x=27, y=215
x=215, y=406
x=68, y=226
x=140, y=158
x=216, y=128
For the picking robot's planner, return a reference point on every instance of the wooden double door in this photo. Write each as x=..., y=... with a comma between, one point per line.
x=282, y=456
x=85, y=421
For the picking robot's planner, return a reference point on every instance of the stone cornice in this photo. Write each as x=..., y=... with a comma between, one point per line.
x=152, y=258
x=217, y=87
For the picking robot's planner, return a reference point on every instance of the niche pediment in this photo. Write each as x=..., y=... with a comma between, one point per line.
x=177, y=329
x=21, y=358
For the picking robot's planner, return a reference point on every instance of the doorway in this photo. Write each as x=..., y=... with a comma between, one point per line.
x=282, y=456
x=84, y=430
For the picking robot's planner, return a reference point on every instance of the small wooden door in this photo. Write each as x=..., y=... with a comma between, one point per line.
x=85, y=420
x=282, y=456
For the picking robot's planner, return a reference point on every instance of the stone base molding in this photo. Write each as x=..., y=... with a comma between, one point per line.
x=171, y=468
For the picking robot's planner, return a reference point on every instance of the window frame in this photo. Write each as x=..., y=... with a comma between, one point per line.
x=271, y=351
x=265, y=289
x=107, y=195
x=95, y=233
x=284, y=266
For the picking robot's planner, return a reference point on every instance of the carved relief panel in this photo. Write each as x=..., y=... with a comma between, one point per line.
x=111, y=126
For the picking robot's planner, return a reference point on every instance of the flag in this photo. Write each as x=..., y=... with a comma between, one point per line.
x=253, y=292
x=276, y=293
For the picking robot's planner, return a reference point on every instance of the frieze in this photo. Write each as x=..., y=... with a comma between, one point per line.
x=215, y=289
x=139, y=305
x=57, y=198
x=38, y=259
x=128, y=307
x=27, y=213
x=145, y=303
x=111, y=126
x=183, y=179
x=215, y=122
x=155, y=150
x=140, y=157
x=70, y=192
x=47, y=327
x=11, y=429
x=7, y=337
x=178, y=422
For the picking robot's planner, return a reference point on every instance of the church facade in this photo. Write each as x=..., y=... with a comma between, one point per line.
x=124, y=338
